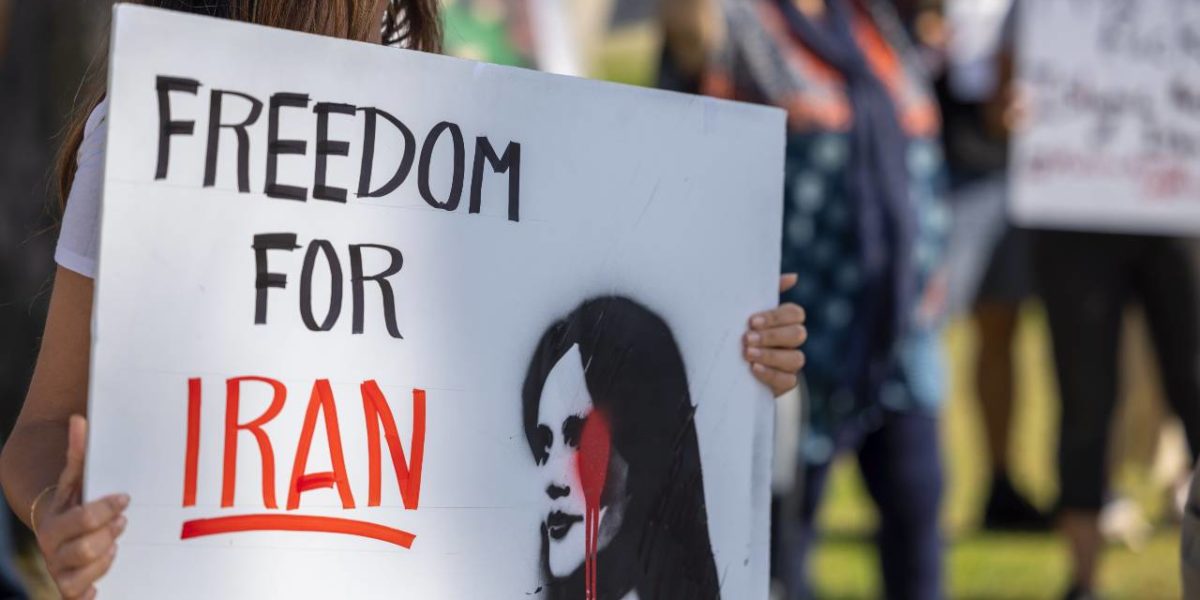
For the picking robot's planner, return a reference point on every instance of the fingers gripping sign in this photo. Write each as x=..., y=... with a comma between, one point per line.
x=772, y=343
x=77, y=539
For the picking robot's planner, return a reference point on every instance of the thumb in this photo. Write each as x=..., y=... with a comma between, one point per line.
x=70, y=482
x=787, y=281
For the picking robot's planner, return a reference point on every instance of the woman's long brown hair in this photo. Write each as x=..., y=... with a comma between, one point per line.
x=414, y=24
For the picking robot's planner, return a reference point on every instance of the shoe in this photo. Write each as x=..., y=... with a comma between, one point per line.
x=1008, y=510
x=1122, y=521
x=1078, y=593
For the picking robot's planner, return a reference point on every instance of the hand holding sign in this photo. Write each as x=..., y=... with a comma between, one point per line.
x=772, y=342
x=78, y=540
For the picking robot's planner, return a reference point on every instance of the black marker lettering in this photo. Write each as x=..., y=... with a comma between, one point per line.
x=456, y=185
x=509, y=163
x=368, y=157
x=385, y=287
x=265, y=279
x=327, y=148
x=335, y=286
x=243, y=138
x=167, y=127
x=276, y=146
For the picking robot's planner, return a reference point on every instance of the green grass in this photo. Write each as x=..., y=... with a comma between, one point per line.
x=997, y=566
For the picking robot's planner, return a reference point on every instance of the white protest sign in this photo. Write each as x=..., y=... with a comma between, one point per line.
x=1114, y=138
x=371, y=323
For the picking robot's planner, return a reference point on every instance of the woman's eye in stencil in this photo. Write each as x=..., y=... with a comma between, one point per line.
x=572, y=429
x=545, y=439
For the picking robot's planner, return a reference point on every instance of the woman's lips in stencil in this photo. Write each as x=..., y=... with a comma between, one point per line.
x=559, y=524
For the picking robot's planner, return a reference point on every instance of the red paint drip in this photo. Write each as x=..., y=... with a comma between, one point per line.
x=592, y=463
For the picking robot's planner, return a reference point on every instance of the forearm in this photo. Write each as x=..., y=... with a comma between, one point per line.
x=33, y=457
x=35, y=453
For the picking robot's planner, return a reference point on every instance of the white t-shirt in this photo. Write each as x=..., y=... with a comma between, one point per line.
x=79, y=237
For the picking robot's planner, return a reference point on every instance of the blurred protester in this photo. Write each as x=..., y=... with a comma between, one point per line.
x=1085, y=280
x=864, y=227
x=992, y=270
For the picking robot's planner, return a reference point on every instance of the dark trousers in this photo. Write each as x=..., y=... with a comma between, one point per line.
x=901, y=466
x=1086, y=280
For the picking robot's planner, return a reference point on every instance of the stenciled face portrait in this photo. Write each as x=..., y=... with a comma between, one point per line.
x=608, y=416
x=563, y=410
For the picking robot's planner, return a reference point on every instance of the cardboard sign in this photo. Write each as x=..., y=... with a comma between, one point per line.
x=1114, y=143
x=372, y=323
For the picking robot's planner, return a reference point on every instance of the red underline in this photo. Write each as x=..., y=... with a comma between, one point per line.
x=243, y=523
